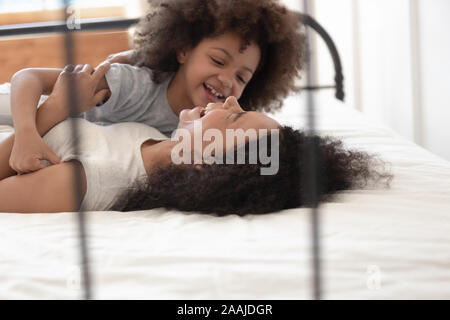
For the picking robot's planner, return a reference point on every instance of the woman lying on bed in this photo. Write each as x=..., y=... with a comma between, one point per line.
x=130, y=166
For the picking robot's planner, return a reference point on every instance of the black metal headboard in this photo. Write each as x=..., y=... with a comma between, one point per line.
x=113, y=23
x=338, y=76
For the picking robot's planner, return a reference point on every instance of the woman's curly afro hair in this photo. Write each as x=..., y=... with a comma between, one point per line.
x=172, y=25
x=224, y=189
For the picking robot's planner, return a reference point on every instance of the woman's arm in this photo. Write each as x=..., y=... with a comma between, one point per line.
x=48, y=115
x=55, y=109
x=51, y=189
x=27, y=86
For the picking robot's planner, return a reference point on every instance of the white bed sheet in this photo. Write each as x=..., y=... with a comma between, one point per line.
x=375, y=243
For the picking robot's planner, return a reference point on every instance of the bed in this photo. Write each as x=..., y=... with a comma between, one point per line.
x=376, y=243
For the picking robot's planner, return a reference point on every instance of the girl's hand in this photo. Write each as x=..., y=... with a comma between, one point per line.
x=85, y=81
x=28, y=149
x=120, y=57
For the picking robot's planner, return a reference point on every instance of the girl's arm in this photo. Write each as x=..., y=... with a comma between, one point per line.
x=48, y=190
x=121, y=57
x=48, y=115
x=27, y=86
x=55, y=109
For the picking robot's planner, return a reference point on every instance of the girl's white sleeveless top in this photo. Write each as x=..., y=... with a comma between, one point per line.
x=111, y=156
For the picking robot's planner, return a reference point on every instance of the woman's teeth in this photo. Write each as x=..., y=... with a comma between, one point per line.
x=218, y=95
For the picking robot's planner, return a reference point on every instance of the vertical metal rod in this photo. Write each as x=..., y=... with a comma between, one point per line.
x=312, y=184
x=72, y=102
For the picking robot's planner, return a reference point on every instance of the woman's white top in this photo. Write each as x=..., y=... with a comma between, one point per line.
x=110, y=155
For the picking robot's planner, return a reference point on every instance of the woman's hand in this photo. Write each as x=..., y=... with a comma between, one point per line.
x=86, y=82
x=29, y=148
x=120, y=57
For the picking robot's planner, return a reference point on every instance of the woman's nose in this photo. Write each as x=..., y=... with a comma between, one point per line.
x=232, y=104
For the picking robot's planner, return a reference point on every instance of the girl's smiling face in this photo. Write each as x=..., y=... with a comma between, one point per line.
x=212, y=71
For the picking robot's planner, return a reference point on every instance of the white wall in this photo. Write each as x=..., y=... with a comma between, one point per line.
x=386, y=88
x=434, y=35
x=396, y=63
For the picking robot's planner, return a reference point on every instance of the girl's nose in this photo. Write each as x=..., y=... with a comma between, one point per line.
x=225, y=80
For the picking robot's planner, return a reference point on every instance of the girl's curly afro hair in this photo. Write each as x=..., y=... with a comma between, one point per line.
x=224, y=189
x=171, y=25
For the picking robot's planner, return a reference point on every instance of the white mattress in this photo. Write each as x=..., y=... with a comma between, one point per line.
x=375, y=243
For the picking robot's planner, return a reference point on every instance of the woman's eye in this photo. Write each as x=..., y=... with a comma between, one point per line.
x=238, y=115
x=240, y=79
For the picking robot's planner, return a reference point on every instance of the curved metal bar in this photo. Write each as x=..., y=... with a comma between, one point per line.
x=311, y=167
x=61, y=26
x=114, y=23
x=338, y=77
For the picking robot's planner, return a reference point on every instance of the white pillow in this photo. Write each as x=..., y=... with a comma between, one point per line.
x=5, y=104
x=5, y=107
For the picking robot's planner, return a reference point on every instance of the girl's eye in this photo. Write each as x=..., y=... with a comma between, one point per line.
x=217, y=62
x=221, y=64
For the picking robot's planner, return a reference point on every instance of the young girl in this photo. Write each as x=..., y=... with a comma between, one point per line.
x=187, y=53
x=128, y=166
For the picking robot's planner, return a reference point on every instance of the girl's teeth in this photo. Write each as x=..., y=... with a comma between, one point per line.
x=218, y=95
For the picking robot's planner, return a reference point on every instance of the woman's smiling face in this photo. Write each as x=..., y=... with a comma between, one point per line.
x=223, y=117
x=216, y=69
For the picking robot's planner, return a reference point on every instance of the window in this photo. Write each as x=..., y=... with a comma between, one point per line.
x=29, y=11
x=39, y=5
x=47, y=50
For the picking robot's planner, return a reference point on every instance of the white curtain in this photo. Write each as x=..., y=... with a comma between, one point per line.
x=395, y=57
